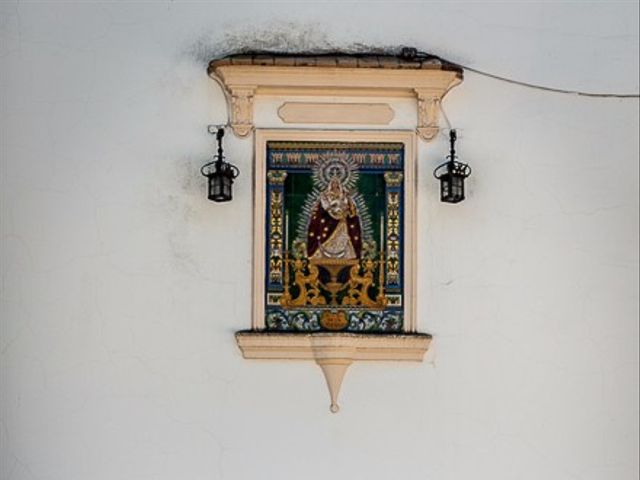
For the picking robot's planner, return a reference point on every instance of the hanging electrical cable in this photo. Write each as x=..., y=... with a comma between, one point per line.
x=413, y=54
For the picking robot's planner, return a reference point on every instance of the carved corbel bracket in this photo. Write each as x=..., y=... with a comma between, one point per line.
x=428, y=113
x=241, y=107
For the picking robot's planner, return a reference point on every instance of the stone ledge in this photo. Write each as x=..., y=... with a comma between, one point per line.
x=332, y=345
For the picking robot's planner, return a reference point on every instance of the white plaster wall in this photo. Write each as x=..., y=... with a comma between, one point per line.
x=122, y=286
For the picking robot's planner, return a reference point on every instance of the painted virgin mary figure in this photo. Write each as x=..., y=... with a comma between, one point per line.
x=337, y=222
x=334, y=227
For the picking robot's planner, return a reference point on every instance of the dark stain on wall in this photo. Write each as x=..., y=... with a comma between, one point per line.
x=283, y=37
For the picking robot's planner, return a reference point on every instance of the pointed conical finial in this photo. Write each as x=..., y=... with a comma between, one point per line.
x=334, y=370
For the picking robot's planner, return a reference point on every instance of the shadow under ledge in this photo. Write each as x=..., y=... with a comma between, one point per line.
x=333, y=351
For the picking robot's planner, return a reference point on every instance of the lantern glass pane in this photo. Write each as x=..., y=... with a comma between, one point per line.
x=217, y=186
x=457, y=187
x=444, y=188
x=226, y=190
x=451, y=188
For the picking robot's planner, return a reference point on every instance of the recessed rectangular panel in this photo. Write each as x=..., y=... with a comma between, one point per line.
x=344, y=113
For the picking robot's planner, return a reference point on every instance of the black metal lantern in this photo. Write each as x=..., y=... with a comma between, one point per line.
x=452, y=174
x=220, y=174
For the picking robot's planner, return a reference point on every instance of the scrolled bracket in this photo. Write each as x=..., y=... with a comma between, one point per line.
x=241, y=107
x=428, y=113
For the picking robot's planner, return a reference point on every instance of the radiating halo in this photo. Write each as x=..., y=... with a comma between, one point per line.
x=335, y=165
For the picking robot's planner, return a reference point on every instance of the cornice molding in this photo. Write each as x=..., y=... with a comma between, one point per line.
x=243, y=82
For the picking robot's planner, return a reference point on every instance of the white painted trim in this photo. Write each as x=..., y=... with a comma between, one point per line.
x=349, y=346
x=408, y=138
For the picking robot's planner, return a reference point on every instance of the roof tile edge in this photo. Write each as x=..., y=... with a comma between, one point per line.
x=334, y=60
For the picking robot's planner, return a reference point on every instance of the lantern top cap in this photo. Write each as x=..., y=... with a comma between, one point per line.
x=219, y=168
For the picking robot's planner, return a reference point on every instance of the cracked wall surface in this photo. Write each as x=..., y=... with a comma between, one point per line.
x=121, y=285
